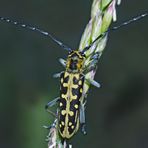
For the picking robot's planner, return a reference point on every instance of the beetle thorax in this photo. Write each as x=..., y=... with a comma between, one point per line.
x=75, y=62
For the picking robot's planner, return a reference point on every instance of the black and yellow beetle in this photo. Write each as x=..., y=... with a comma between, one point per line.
x=71, y=110
x=71, y=88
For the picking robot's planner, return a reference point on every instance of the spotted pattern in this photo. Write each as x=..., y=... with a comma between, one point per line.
x=71, y=86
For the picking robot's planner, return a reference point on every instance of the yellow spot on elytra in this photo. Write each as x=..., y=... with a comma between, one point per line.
x=72, y=127
x=80, y=82
x=62, y=123
x=74, y=97
x=63, y=112
x=65, y=85
x=70, y=123
x=77, y=76
x=71, y=113
x=66, y=74
x=61, y=104
x=75, y=86
x=63, y=96
x=62, y=80
x=81, y=90
x=76, y=106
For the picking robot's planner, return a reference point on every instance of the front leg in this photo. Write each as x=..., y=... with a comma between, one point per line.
x=57, y=75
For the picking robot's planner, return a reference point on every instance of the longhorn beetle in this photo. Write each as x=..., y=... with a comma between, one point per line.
x=70, y=109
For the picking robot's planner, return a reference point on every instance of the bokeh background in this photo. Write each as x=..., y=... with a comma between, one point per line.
x=117, y=114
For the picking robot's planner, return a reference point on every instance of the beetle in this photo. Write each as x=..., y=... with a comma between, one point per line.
x=71, y=89
x=71, y=110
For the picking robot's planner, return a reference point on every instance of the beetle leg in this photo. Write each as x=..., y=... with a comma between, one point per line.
x=63, y=62
x=52, y=113
x=82, y=117
x=50, y=104
x=57, y=75
x=93, y=82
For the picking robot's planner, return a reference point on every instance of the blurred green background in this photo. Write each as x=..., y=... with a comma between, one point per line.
x=117, y=114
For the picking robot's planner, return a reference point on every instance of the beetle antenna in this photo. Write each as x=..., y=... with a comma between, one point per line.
x=36, y=29
x=134, y=19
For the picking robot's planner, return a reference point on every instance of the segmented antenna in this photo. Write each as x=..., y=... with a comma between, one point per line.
x=36, y=30
x=134, y=19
